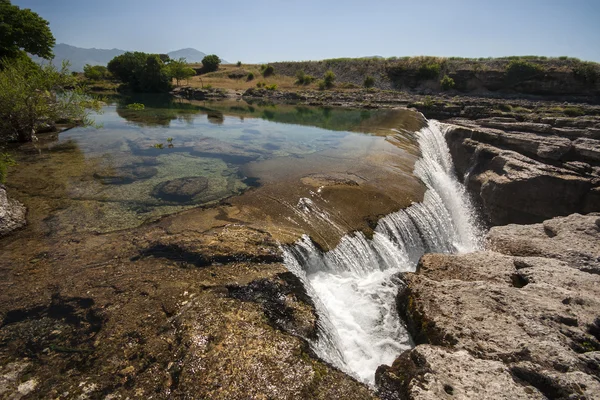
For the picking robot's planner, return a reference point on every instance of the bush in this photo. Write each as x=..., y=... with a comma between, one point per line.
x=303, y=79
x=321, y=85
x=141, y=72
x=447, y=83
x=428, y=102
x=429, y=71
x=250, y=76
x=135, y=106
x=32, y=97
x=369, y=82
x=260, y=84
x=271, y=87
x=239, y=64
x=517, y=70
x=210, y=63
x=268, y=71
x=587, y=72
x=574, y=111
x=95, y=72
x=329, y=79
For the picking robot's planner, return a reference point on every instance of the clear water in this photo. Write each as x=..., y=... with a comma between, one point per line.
x=113, y=178
x=355, y=284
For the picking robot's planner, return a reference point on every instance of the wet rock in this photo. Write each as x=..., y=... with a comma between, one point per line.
x=12, y=213
x=332, y=179
x=180, y=189
x=121, y=176
x=524, y=314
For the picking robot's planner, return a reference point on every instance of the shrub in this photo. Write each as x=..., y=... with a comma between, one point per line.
x=520, y=70
x=505, y=107
x=250, y=76
x=329, y=79
x=260, y=84
x=574, y=111
x=447, y=83
x=429, y=71
x=428, y=102
x=141, y=72
x=239, y=64
x=268, y=71
x=95, y=72
x=587, y=72
x=321, y=85
x=303, y=79
x=271, y=87
x=369, y=82
x=210, y=63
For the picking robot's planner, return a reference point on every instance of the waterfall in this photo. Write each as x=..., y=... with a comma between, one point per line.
x=354, y=285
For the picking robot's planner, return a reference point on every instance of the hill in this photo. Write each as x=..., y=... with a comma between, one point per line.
x=79, y=56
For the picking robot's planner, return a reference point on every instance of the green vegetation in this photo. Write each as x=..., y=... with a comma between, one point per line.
x=180, y=70
x=239, y=64
x=141, y=72
x=303, y=79
x=96, y=72
x=518, y=70
x=587, y=72
x=429, y=70
x=250, y=76
x=5, y=161
x=267, y=70
x=260, y=84
x=271, y=87
x=369, y=82
x=135, y=106
x=33, y=97
x=329, y=79
x=210, y=63
x=573, y=111
x=23, y=31
x=447, y=83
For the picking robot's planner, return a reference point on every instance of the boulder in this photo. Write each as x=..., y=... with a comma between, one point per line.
x=12, y=213
x=180, y=189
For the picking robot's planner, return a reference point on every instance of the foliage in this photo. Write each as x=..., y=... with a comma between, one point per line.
x=23, y=30
x=135, y=106
x=250, y=76
x=428, y=102
x=587, y=72
x=518, y=69
x=303, y=79
x=210, y=63
x=321, y=85
x=180, y=70
x=32, y=97
x=447, y=83
x=141, y=72
x=369, y=82
x=268, y=71
x=260, y=84
x=329, y=79
x=5, y=161
x=95, y=72
x=271, y=87
x=573, y=111
x=239, y=64
x=429, y=70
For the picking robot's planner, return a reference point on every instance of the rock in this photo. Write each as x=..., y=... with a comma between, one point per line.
x=587, y=149
x=125, y=175
x=520, y=317
x=12, y=213
x=519, y=177
x=180, y=189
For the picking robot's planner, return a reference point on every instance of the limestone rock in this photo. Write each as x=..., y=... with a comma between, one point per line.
x=12, y=213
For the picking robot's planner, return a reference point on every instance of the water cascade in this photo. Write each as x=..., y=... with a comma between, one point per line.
x=354, y=285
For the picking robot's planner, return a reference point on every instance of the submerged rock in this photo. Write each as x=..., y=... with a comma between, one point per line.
x=125, y=175
x=180, y=189
x=518, y=322
x=12, y=213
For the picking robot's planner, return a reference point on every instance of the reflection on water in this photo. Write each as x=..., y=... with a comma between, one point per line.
x=172, y=155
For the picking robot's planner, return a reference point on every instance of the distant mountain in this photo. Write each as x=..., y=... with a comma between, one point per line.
x=78, y=56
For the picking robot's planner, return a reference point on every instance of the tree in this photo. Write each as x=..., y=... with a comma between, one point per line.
x=328, y=79
x=23, y=30
x=141, y=72
x=210, y=63
x=95, y=72
x=180, y=70
x=32, y=97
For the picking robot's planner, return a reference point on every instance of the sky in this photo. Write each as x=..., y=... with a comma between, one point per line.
x=254, y=31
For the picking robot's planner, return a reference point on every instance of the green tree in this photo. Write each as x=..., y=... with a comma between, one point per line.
x=180, y=70
x=32, y=97
x=210, y=63
x=447, y=83
x=141, y=72
x=23, y=30
x=95, y=72
x=329, y=79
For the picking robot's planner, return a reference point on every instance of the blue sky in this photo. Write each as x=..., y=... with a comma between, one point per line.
x=271, y=30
